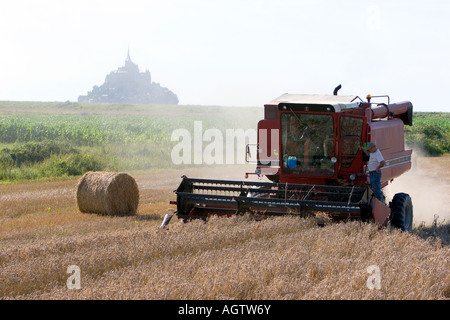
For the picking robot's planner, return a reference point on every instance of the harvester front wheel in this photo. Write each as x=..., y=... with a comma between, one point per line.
x=401, y=211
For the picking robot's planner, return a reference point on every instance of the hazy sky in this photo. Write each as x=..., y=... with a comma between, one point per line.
x=230, y=52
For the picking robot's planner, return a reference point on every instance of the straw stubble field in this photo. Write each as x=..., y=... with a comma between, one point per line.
x=42, y=234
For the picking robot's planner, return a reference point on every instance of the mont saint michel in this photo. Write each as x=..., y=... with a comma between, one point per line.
x=128, y=84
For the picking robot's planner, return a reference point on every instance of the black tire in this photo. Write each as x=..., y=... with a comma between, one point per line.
x=402, y=212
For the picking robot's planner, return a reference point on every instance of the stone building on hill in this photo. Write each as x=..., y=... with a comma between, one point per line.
x=129, y=85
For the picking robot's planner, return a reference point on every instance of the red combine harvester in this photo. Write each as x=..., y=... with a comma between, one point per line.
x=309, y=147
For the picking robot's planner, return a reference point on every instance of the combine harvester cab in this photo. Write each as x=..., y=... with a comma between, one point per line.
x=310, y=149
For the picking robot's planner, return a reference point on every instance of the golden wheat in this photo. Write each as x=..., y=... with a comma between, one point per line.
x=129, y=257
x=236, y=258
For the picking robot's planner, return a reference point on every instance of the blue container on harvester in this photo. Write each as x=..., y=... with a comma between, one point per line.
x=292, y=163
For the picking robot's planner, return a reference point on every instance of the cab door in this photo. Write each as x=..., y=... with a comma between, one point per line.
x=351, y=134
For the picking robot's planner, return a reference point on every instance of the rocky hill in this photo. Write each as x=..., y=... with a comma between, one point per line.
x=128, y=84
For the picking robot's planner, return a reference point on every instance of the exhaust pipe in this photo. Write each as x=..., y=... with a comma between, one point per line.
x=335, y=92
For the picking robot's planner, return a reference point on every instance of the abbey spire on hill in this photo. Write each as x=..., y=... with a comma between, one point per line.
x=128, y=84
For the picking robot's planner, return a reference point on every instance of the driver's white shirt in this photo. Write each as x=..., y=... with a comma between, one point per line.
x=375, y=160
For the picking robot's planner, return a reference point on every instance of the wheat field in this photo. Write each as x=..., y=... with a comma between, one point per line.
x=284, y=258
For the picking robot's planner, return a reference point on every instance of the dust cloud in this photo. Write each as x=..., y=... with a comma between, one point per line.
x=428, y=184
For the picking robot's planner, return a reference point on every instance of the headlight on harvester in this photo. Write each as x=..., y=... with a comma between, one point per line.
x=353, y=176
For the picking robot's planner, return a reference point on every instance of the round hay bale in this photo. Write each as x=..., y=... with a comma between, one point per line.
x=107, y=193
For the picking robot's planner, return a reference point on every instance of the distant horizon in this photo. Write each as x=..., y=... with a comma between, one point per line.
x=170, y=105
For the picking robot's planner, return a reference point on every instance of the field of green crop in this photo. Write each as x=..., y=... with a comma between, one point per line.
x=96, y=124
x=430, y=133
x=56, y=139
x=45, y=140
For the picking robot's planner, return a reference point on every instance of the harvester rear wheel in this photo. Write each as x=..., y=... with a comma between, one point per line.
x=402, y=212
